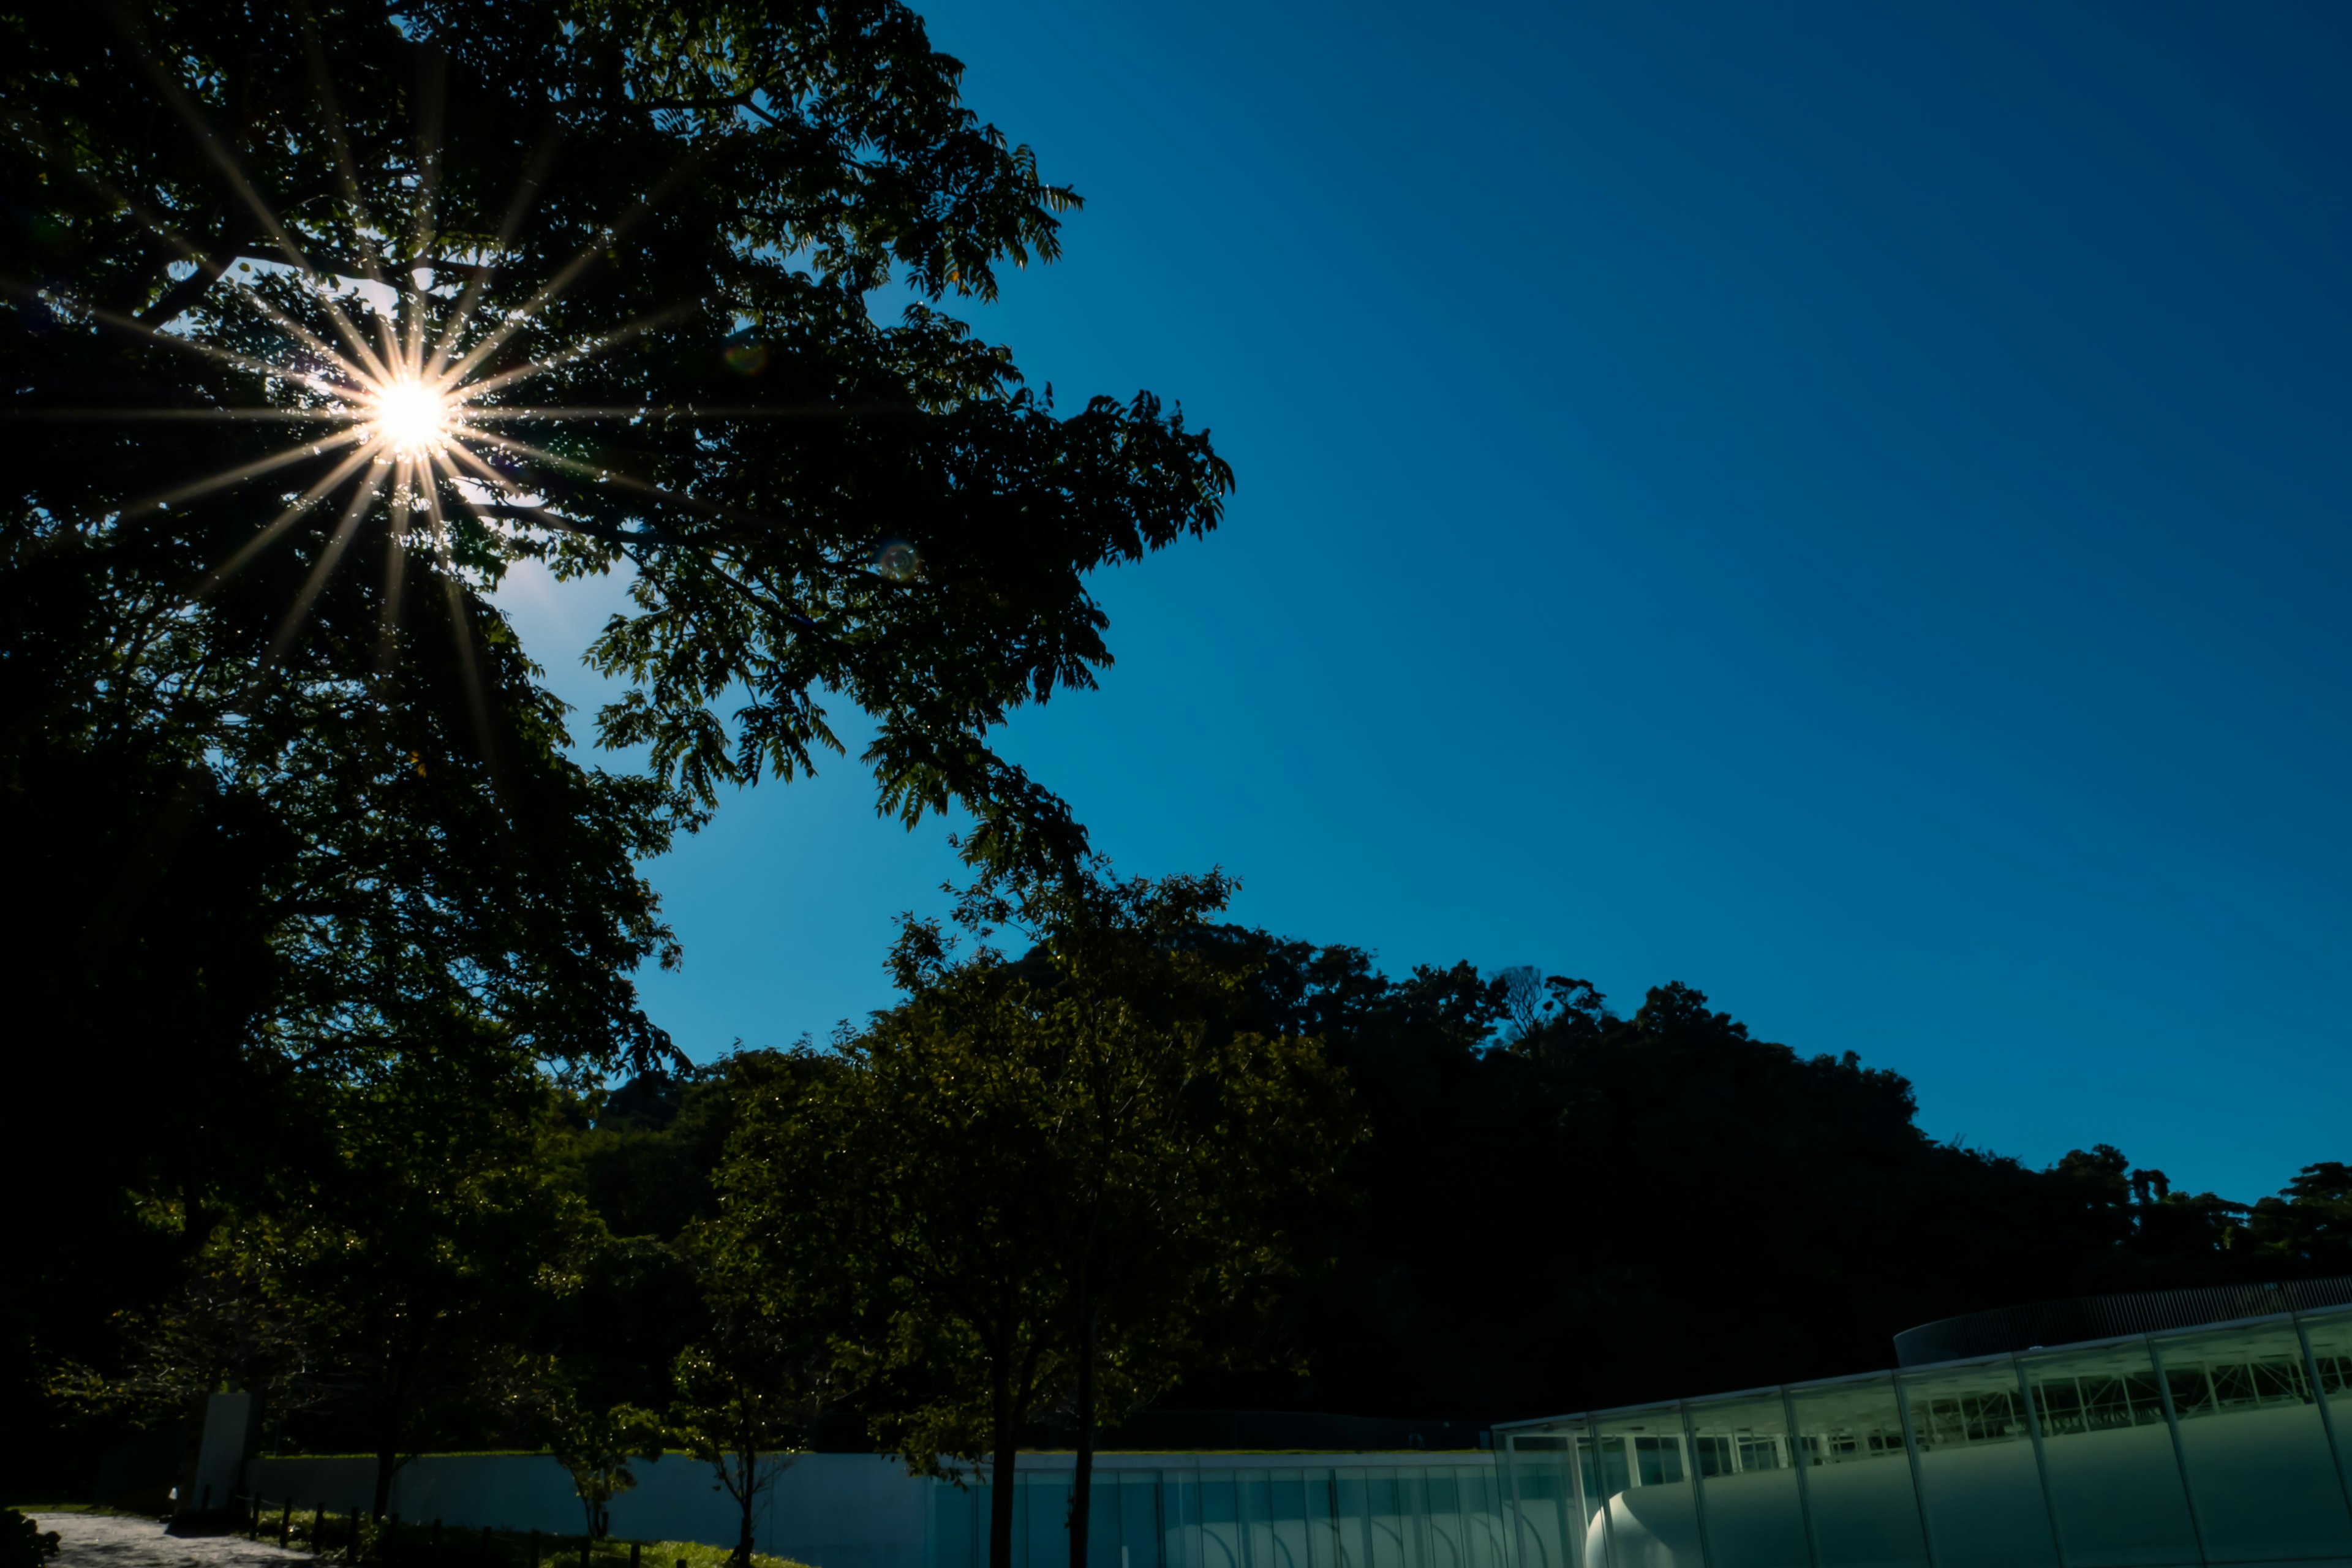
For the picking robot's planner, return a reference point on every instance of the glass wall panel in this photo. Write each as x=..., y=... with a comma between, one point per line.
x=1481, y=1541
x=1542, y=1504
x=1219, y=1523
x=1354, y=1506
x=1442, y=1541
x=1652, y=1511
x=1322, y=1522
x=1179, y=1519
x=1289, y=1509
x=2114, y=1483
x=1754, y=1519
x=1858, y=1476
x=2259, y=1467
x=2331, y=1351
x=1041, y=1529
x=1388, y=1527
x=1138, y=1519
x=1587, y=1486
x=959, y=1530
x=1977, y=1474
x=1102, y=1522
x=1254, y=1517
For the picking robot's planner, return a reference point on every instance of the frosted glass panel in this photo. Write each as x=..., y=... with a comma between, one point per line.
x=1219, y=1522
x=1749, y=1484
x=1977, y=1472
x=1589, y=1487
x=1544, y=1506
x=1653, y=1512
x=1180, y=1512
x=1042, y=1526
x=1858, y=1476
x=2331, y=1349
x=1138, y=1519
x=1442, y=1542
x=1287, y=1527
x=1481, y=1517
x=959, y=1528
x=1355, y=1545
x=1387, y=1526
x=2259, y=1467
x=2113, y=1481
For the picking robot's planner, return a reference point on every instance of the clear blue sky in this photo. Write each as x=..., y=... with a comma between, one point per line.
x=1843, y=505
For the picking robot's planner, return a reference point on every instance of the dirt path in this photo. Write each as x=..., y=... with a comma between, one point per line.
x=101, y=1540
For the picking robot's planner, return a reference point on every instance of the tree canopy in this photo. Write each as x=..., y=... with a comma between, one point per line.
x=1028, y=1184
x=293, y=801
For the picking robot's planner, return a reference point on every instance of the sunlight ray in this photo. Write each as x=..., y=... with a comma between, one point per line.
x=331, y=105
x=461, y=631
x=601, y=476
x=345, y=531
x=518, y=208
x=221, y=158
x=664, y=412
x=244, y=471
x=513, y=505
x=612, y=340
x=190, y=252
x=260, y=416
x=589, y=253
x=219, y=272
x=281, y=522
x=430, y=94
x=247, y=294
x=261, y=367
x=396, y=546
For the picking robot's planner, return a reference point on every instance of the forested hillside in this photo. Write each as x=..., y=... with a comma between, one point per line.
x=1561, y=1207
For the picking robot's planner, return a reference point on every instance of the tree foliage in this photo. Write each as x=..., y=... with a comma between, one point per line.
x=291, y=797
x=595, y=1445
x=1030, y=1182
x=749, y=1391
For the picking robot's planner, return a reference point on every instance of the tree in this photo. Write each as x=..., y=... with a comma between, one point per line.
x=674, y=212
x=1030, y=1178
x=595, y=1446
x=749, y=1391
x=2309, y=1225
x=425, y=1267
x=24, y=1543
x=1182, y=1150
x=275, y=764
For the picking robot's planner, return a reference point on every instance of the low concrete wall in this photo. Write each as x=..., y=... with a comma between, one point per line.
x=832, y=1511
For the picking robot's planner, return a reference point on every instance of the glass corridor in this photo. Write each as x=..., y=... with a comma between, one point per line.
x=1284, y=1511
x=2226, y=1444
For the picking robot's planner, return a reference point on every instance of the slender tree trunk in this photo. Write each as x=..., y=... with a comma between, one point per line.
x=387, y=1460
x=1082, y=1477
x=747, y=1493
x=1000, y=1479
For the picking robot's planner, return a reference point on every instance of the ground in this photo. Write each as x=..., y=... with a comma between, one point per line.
x=115, y=1541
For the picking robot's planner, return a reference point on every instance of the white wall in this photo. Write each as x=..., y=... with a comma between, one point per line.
x=830, y=1510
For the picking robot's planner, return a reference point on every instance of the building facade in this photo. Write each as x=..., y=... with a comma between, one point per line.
x=2223, y=1443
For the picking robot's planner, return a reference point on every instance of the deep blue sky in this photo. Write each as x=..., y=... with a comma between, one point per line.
x=1844, y=506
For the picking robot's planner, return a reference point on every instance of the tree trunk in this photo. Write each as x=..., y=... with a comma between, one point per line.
x=1000, y=1479
x=748, y=1493
x=387, y=1460
x=1082, y=1476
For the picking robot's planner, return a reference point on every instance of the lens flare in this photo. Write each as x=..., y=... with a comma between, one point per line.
x=410, y=418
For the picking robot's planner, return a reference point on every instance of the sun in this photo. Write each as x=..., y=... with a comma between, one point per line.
x=411, y=419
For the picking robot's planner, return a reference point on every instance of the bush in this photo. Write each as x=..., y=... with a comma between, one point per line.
x=23, y=1543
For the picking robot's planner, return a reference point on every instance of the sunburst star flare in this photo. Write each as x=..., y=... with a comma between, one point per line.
x=411, y=418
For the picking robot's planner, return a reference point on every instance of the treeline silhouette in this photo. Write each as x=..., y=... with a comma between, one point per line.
x=1561, y=1207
